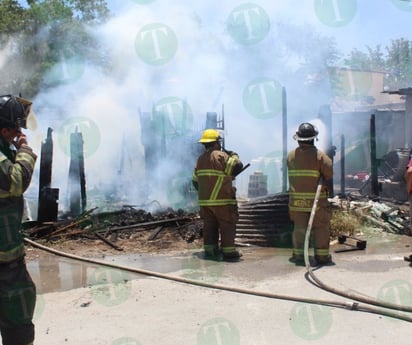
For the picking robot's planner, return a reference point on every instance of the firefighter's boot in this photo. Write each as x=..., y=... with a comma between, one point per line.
x=324, y=260
x=211, y=252
x=231, y=254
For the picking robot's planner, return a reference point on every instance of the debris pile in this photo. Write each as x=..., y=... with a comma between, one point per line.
x=386, y=216
x=121, y=224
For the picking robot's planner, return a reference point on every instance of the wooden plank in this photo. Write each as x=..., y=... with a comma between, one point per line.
x=154, y=233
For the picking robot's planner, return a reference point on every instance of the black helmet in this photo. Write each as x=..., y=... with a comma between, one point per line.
x=14, y=111
x=306, y=132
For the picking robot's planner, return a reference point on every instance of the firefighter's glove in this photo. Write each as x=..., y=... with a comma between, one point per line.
x=331, y=152
x=195, y=185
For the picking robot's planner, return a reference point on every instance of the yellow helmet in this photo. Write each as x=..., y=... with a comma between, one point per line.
x=209, y=136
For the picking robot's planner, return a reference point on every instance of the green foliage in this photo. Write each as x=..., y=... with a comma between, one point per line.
x=43, y=34
x=397, y=62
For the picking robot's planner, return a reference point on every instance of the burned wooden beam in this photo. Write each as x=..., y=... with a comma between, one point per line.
x=154, y=233
x=105, y=240
x=77, y=181
x=48, y=197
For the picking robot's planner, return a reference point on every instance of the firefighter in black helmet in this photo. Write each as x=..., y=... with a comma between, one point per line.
x=17, y=160
x=307, y=165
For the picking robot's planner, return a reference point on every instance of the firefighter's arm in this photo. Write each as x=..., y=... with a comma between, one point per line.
x=233, y=166
x=195, y=183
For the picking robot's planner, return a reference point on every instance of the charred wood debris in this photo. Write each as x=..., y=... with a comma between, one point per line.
x=110, y=227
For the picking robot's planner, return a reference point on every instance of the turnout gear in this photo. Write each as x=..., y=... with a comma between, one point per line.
x=306, y=132
x=17, y=290
x=210, y=136
x=212, y=177
x=306, y=166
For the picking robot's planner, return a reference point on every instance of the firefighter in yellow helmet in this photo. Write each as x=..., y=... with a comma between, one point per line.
x=17, y=160
x=212, y=177
x=307, y=165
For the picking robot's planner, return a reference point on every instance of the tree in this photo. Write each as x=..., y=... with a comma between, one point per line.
x=397, y=62
x=37, y=38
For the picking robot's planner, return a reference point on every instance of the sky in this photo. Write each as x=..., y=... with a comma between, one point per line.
x=185, y=58
x=366, y=23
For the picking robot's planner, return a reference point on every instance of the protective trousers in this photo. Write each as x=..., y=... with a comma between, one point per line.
x=17, y=303
x=320, y=231
x=219, y=220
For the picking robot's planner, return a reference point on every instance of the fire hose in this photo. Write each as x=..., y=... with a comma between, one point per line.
x=349, y=305
x=349, y=294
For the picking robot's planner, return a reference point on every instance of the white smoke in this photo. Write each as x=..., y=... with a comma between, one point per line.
x=209, y=69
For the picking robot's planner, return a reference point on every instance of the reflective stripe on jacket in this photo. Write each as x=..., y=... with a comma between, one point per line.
x=15, y=178
x=213, y=176
x=306, y=165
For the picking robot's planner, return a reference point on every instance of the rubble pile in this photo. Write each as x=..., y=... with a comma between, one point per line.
x=121, y=224
x=386, y=216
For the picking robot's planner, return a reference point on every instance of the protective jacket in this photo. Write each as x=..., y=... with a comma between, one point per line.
x=213, y=176
x=16, y=169
x=306, y=165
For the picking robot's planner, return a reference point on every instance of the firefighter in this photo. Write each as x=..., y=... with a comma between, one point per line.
x=17, y=160
x=212, y=177
x=307, y=165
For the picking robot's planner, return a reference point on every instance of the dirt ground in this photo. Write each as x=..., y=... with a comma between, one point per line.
x=168, y=240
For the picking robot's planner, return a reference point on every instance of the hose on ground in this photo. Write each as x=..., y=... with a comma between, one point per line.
x=353, y=295
x=337, y=304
